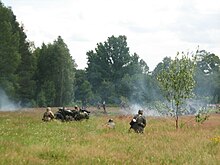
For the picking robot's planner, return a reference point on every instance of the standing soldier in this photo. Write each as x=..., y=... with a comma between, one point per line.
x=104, y=107
x=138, y=123
x=48, y=115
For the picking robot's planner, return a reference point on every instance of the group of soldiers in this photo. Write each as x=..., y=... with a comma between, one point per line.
x=137, y=124
x=65, y=114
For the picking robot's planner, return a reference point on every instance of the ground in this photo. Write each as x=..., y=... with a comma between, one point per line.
x=25, y=139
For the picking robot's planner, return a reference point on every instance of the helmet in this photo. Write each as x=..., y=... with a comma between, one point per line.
x=48, y=108
x=110, y=120
x=140, y=112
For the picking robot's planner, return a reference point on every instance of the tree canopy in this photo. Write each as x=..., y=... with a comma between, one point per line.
x=48, y=75
x=55, y=73
x=177, y=82
x=111, y=65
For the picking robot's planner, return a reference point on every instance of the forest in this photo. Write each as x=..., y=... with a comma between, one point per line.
x=48, y=76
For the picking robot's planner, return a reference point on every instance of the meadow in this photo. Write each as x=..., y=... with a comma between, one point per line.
x=25, y=139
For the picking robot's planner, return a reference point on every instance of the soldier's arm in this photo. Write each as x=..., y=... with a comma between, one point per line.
x=52, y=115
x=144, y=121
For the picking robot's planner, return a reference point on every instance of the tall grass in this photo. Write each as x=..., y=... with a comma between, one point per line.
x=25, y=139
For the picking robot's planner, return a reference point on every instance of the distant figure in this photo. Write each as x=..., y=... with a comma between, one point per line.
x=138, y=123
x=110, y=124
x=76, y=108
x=123, y=105
x=48, y=115
x=104, y=106
x=98, y=105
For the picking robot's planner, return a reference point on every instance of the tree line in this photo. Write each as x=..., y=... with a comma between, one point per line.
x=48, y=75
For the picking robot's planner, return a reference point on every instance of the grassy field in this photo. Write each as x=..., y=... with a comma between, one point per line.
x=25, y=139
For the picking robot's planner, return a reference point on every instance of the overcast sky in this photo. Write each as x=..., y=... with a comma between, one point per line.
x=154, y=28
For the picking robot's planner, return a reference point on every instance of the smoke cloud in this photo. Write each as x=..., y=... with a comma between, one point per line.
x=133, y=109
x=6, y=104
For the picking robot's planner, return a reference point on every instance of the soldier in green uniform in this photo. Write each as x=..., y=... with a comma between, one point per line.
x=138, y=123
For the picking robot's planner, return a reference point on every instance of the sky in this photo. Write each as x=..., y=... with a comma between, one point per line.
x=154, y=28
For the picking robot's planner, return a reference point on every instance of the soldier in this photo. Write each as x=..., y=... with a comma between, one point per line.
x=48, y=115
x=104, y=107
x=138, y=123
x=76, y=108
x=98, y=105
x=110, y=124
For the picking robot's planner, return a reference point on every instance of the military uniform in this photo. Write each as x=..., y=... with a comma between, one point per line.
x=138, y=123
x=48, y=115
x=110, y=124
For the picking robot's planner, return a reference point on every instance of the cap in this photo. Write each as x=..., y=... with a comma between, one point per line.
x=110, y=120
x=140, y=111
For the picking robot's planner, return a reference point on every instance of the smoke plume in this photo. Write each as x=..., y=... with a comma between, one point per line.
x=6, y=104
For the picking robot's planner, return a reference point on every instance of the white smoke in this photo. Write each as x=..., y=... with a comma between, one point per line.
x=194, y=106
x=6, y=104
x=133, y=109
x=191, y=107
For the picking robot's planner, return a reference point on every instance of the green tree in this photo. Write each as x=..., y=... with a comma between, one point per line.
x=125, y=86
x=57, y=68
x=17, y=63
x=9, y=51
x=110, y=64
x=65, y=68
x=136, y=65
x=26, y=70
x=83, y=89
x=162, y=66
x=207, y=75
x=177, y=82
x=107, y=92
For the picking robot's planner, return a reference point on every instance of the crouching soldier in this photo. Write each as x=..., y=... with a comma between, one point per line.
x=48, y=115
x=82, y=114
x=138, y=123
x=110, y=124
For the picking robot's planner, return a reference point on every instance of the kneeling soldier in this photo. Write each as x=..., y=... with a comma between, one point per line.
x=138, y=123
x=48, y=115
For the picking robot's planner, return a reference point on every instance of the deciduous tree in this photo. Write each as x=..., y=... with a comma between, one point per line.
x=177, y=82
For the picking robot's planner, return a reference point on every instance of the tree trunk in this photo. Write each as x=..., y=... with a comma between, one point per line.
x=177, y=117
x=61, y=87
x=177, y=122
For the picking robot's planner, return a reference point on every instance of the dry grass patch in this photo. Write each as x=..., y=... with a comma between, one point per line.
x=25, y=139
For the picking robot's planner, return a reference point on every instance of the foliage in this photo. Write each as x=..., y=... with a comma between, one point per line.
x=113, y=72
x=83, y=90
x=162, y=66
x=109, y=61
x=177, y=82
x=26, y=70
x=46, y=75
x=17, y=63
x=208, y=76
x=9, y=51
x=56, y=73
x=201, y=118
